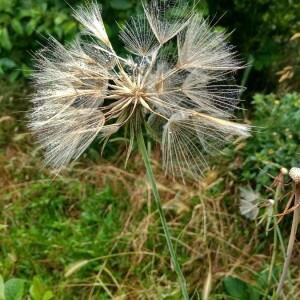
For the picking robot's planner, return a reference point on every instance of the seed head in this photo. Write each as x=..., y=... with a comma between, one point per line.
x=284, y=171
x=177, y=83
x=295, y=174
x=249, y=203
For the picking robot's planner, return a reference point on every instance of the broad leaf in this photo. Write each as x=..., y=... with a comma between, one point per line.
x=14, y=289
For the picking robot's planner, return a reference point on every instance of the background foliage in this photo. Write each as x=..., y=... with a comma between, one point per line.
x=261, y=31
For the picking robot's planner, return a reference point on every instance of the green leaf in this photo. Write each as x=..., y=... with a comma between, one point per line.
x=37, y=288
x=17, y=26
x=25, y=13
x=120, y=4
x=26, y=70
x=2, y=295
x=12, y=77
x=14, y=289
x=60, y=18
x=31, y=25
x=4, y=39
x=69, y=26
x=6, y=6
x=7, y=63
x=253, y=293
x=48, y=295
x=219, y=29
x=240, y=290
x=58, y=30
x=44, y=7
x=43, y=28
x=236, y=288
x=4, y=18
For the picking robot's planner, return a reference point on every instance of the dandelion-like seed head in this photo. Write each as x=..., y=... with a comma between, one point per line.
x=249, y=203
x=284, y=171
x=177, y=83
x=295, y=174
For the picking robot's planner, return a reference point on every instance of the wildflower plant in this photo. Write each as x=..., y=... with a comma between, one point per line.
x=176, y=84
x=250, y=205
x=294, y=174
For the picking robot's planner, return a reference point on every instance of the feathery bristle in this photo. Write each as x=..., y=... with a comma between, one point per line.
x=90, y=18
x=65, y=132
x=139, y=37
x=249, y=203
x=167, y=18
x=203, y=48
x=178, y=83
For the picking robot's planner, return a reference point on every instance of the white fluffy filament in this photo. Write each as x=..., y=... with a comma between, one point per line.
x=181, y=92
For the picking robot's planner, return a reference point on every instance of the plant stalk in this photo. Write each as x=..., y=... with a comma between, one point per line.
x=291, y=242
x=153, y=185
x=276, y=198
x=275, y=239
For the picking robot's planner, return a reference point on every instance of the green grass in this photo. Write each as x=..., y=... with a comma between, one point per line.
x=54, y=224
x=101, y=218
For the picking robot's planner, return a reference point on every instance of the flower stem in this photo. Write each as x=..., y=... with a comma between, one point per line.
x=291, y=242
x=276, y=199
x=174, y=259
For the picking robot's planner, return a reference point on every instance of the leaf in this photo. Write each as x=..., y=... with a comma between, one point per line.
x=48, y=295
x=69, y=26
x=253, y=293
x=4, y=18
x=240, y=290
x=236, y=288
x=121, y=4
x=42, y=28
x=2, y=295
x=4, y=39
x=25, y=13
x=17, y=26
x=31, y=25
x=37, y=288
x=44, y=7
x=13, y=76
x=26, y=70
x=7, y=63
x=58, y=30
x=14, y=289
x=60, y=18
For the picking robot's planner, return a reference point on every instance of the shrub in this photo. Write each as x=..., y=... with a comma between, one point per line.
x=276, y=137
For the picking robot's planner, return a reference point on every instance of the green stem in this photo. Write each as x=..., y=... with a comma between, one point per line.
x=276, y=199
x=175, y=263
x=273, y=256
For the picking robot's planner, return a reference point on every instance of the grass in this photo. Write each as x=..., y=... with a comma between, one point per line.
x=93, y=231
